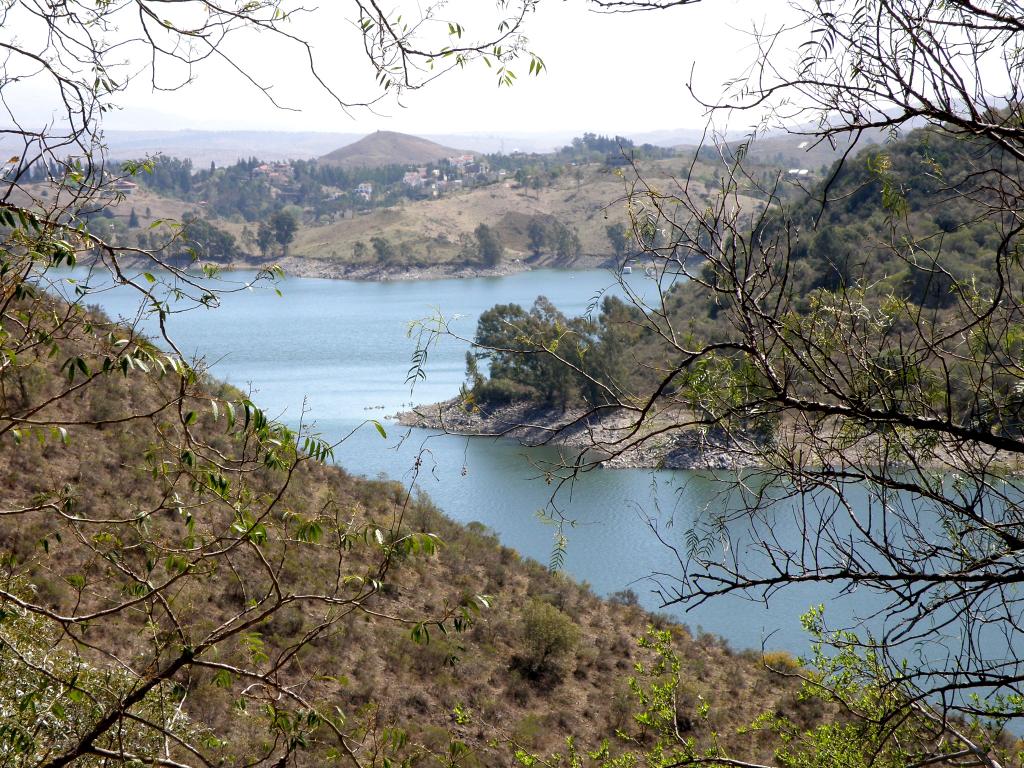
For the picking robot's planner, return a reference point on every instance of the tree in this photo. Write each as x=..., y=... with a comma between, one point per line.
x=264, y=238
x=383, y=249
x=489, y=245
x=199, y=239
x=548, y=637
x=618, y=239
x=882, y=408
x=133, y=219
x=519, y=345
x=284, y=224
x=536, y=184
x=113, y=607
x=565, y=241
x=537, y=232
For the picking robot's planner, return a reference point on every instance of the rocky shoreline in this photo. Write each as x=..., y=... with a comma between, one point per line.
x=603, y=435
x=303, y=266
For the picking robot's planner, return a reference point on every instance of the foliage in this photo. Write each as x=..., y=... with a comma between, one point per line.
x=548, y=636
x=541, y=355
x=538, y=235
x=617, y=236
x=284, y=224
x=164, y=559
x=858, y=347
x=383, y=249
x=537, y=352
x=489, y=245
x=50, y=696
x=870, y=728
x=200, y=240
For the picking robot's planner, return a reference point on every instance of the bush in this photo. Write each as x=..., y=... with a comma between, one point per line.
x=548, y=637
x=625, y=597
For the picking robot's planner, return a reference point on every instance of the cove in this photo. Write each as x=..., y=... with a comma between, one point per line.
x=335, y=353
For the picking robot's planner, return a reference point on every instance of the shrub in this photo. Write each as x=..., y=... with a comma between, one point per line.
x=548, y=636
x=780, y=661
x=624, y=597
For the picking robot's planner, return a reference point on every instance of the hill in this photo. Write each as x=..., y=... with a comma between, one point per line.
x=261, y=586
x=552, y=216
x=388, y=148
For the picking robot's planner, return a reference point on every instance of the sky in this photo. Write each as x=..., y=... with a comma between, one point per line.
x=621, y=73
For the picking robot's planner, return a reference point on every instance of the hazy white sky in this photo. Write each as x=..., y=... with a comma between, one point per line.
x=608, y=73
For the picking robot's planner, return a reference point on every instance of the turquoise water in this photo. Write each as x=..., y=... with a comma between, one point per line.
x=341, y=351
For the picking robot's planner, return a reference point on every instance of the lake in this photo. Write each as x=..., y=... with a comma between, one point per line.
x=341, y=350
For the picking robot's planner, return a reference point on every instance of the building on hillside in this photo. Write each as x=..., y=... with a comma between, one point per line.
x=461, y=161
x=365, y=190
x=275, y=173
x=413, y=179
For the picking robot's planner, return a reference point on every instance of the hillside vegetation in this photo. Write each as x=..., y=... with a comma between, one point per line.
x=398, y=216
x=114, y=494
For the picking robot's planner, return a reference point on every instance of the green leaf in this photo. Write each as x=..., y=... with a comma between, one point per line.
x=420, y=634
x=76, y=580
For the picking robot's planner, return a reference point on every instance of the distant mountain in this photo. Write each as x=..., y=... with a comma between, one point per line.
x=225, y=147
x=388, y=148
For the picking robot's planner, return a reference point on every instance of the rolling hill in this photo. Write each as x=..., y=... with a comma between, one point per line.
x=388, y=148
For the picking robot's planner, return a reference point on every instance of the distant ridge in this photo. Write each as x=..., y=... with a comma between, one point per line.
x=389, y=148
x=225, y=147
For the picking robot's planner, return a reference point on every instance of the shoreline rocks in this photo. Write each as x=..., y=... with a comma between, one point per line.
x=604, y=433
x=300, y=266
